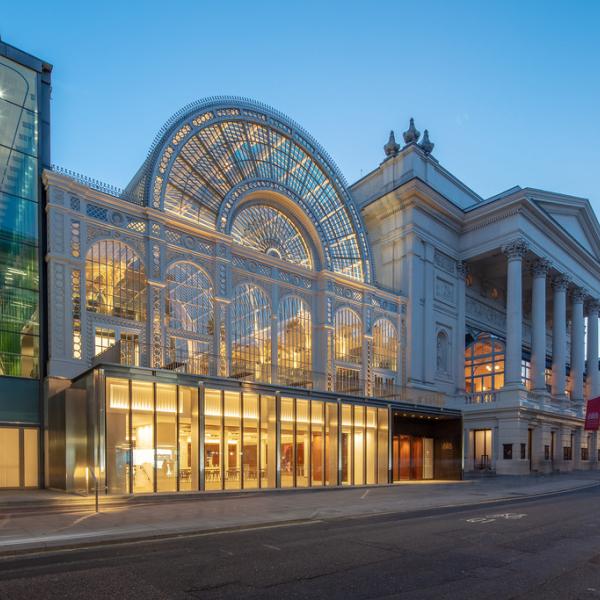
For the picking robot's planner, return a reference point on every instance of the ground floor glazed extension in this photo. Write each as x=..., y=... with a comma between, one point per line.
x=144, y=431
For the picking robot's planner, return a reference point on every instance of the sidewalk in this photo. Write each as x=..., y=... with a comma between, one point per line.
x=43, y=527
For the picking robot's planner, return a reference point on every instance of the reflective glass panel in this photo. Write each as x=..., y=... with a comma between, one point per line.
x=317, y=445
x=268, y=442
x=371, y=445
x=359, y=445
x=302, y=442
x=294, y=342
x=188, y=438
x=9, y=457
x=142, y=426
x=213, y=439
x=250, y=450
x=331, y=443
x=287, y=451
x=382, y=446
x=118, y=447
x=233, y=441
x=346, y=449
x=166, y=438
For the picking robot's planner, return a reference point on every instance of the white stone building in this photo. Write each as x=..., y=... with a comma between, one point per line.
x=239, y=262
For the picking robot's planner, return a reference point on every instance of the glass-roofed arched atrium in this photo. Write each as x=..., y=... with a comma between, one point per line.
x=228, y=302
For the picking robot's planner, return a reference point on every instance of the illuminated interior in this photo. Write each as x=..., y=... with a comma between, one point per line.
x=267, y=230
x=115, y=281
x=152, y=441
x=484, y=364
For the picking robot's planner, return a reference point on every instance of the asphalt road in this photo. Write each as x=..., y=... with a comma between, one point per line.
x=541, y=548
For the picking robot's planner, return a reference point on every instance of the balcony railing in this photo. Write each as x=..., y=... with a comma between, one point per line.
x=132, y=353
x=480, y=397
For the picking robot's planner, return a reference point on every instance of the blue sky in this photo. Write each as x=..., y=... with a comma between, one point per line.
x=510, y=91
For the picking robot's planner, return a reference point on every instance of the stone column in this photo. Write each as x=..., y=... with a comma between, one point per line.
x=514, y=312
x=459, y=373
x=592, y=349
x=538, y=330
x=559, y=335
x=577, y=345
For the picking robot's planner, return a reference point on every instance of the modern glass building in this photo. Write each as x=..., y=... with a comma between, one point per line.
x=24, y=153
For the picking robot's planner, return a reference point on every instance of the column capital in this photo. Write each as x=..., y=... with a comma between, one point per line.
x=579, y=294
x=593, y=305
x=462, y=269
x=516, y=249
x=540, y=267
x=560, y=282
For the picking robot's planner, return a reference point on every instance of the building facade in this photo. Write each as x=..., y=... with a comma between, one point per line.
x=239, y=317
x=24, y=153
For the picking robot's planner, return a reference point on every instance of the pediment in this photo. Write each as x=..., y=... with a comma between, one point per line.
x=577, y=219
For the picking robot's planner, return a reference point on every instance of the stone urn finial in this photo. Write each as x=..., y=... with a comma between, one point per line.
x=411, y=135
x=426, y=144
x=391, y=148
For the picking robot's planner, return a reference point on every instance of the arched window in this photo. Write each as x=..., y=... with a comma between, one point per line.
x=267, y=230
x=115, y=281
x=484, y=364
x=251, y=333
x=385, y=345
x=442, y=352
x=189, y=299
x=348, y=351
x=294, y=342
x=348, y=336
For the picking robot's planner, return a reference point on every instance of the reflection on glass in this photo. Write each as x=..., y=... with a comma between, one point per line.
x=302, y=442
x=359, y=445
x=371, y=445
x=382, y=446
x=317, y=445
x=287, y=442
x=346, y=444
x=331, y=443
x=117, y=436
x=188, y=439
x=268, y=442
x=166, y=438
x=213, y=439
x=233, y=441
x=9, y=457
x=250, y=441
x=142, y=426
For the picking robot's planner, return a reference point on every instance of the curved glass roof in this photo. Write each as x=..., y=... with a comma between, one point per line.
x=268, y=230
x=213, y=151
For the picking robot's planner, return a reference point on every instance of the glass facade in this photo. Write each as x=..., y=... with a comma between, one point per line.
x=166, y=437
x=19, y=210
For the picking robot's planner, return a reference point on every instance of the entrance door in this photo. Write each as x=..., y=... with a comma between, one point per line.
x=416, y=465
x=427, y=458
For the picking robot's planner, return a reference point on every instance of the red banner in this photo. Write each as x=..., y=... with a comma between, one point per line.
x=592, y=414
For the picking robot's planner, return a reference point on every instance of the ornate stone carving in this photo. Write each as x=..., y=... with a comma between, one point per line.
x=444, y=262
x=579, y=294
x=411, y=135
x=516, y=249
x=426, y=144
x=540, y=267
x=560, y=282
x=444, y=290
x=391, y=148
x=462, y=269
x=593, y=305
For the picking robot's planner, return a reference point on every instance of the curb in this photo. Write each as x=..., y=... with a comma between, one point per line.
x=91, y=540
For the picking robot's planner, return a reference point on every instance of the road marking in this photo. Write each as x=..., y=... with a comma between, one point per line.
x=272, y=547
x=226, y=552
x=492, y=518
x=364, y=495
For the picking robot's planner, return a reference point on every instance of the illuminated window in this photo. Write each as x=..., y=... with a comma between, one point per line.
x=484, y=364
x=189, y=299
x=129, y=346
x=251, y=333
x=294, y=342
x=385, y=345
x=267, y=230
x=348, y=336
x=115, y=281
